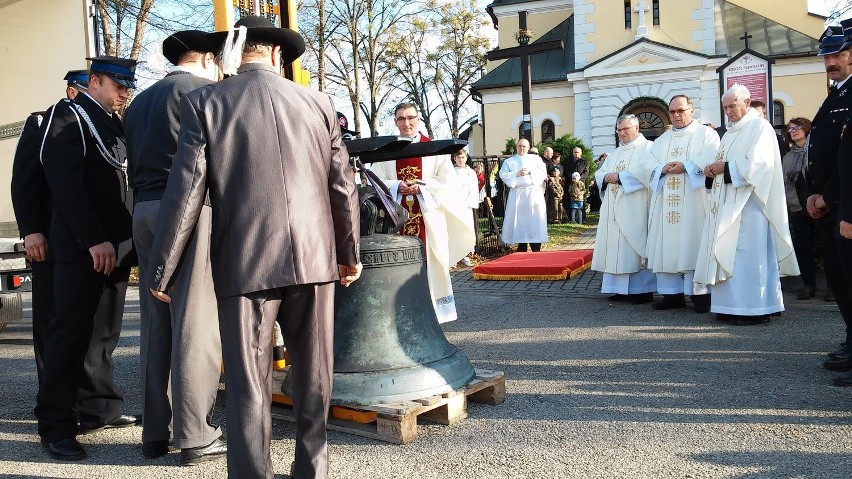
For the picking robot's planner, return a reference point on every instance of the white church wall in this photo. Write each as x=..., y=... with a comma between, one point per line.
x=706, y=33
x=583, y=28
x=608, y=99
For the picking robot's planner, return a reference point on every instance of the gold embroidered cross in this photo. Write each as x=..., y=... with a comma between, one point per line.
x=720, y=156
x=673, y=217
x=717, y=184
x=673, y=200
x=677, y=152
x=673, y=183
x=715, y=208
x=621, y=167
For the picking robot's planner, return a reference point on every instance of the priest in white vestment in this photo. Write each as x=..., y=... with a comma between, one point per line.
x=525, y=220
x=678, y=206
x=746, y=245
x=623, y=225
x=428, y=189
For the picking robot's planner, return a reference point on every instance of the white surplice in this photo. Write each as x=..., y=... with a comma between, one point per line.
x=623, y=225
x=745, y=244
x=525, y=220
x=678, y=206
x=449, y=227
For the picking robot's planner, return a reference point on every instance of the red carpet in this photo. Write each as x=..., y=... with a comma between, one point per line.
x=541, y=266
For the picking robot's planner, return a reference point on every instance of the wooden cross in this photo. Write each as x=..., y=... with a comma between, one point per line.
x=524, y=51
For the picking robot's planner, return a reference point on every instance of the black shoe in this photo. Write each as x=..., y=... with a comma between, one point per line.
x=155, y=449
x=806, y=293
x=700, y=303
x=748, y=320
x=844, y=381
x=842, y=366
x=670, y=301
x=125, y=420
x=839, y=355
x=65, y=449
x=829, y=296
x=641, y=298
x=619, y=297
x=196, y=455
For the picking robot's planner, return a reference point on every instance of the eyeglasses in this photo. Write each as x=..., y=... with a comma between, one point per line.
x=679, y=111
x=408, y=118
x=622, y=130
x=793, y=128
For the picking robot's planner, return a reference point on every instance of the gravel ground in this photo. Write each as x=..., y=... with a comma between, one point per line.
x=595, y=389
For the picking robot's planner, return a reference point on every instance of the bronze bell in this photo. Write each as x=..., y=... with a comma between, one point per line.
x=388, y=345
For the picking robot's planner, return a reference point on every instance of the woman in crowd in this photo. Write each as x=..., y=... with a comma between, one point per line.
x=801, y=225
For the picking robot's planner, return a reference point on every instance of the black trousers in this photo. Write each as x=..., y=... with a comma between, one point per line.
x=306, y=316
x=78, y=346
x=832, y=259
x=534, y=247
x=42, y=308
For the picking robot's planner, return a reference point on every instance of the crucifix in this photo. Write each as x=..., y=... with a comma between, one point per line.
x=524, y=50
x=642, y=29
x=745, y=38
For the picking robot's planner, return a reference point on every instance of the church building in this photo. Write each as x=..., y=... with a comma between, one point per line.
x=632, y=56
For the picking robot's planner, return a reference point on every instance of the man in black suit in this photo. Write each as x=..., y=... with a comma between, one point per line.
x=31, y=201
x=823, y=185
x=84, y=162
x=179, y=342
x=285, y=228
x=844, y=214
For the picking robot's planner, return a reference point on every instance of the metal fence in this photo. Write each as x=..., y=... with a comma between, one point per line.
x=491, y=206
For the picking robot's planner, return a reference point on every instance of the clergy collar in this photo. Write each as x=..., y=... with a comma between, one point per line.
x=750, y=115
x=109, y=113
x=684, y=128
x=634, y=142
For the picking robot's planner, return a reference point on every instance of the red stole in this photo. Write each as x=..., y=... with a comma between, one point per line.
x=410, y=170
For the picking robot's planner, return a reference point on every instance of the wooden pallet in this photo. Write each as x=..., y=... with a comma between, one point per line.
x=397, y=422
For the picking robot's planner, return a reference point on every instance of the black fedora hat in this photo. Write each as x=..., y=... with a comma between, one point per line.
x=831, y=41
x=185, y=41
x=260, y=29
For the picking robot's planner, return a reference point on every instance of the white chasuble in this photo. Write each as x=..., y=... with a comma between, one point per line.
x=623, y=224
x=678, y=201
x=746, y=237
x=525, y=220
x=449, y=230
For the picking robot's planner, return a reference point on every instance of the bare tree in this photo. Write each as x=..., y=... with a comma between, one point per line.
x=316, y=28
x=413, y=75
x=344, y=43
x=382, y=16
x=459, y=59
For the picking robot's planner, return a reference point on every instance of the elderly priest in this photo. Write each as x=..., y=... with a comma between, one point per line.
x=746, y=244
x=623, y=226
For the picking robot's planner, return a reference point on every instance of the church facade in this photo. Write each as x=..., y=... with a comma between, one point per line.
x=632, y=56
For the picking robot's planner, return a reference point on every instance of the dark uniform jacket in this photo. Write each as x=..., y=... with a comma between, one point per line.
x=91, y=198
x=285, y=210
x=823, y=144
x=31, y=198
x=844, y=170
x=151, y=147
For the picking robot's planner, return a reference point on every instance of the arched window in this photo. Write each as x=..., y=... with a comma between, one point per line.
x=548, y=131
x=778, y=113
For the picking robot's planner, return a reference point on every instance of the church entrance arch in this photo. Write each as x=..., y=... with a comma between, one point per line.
x=653, y=114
